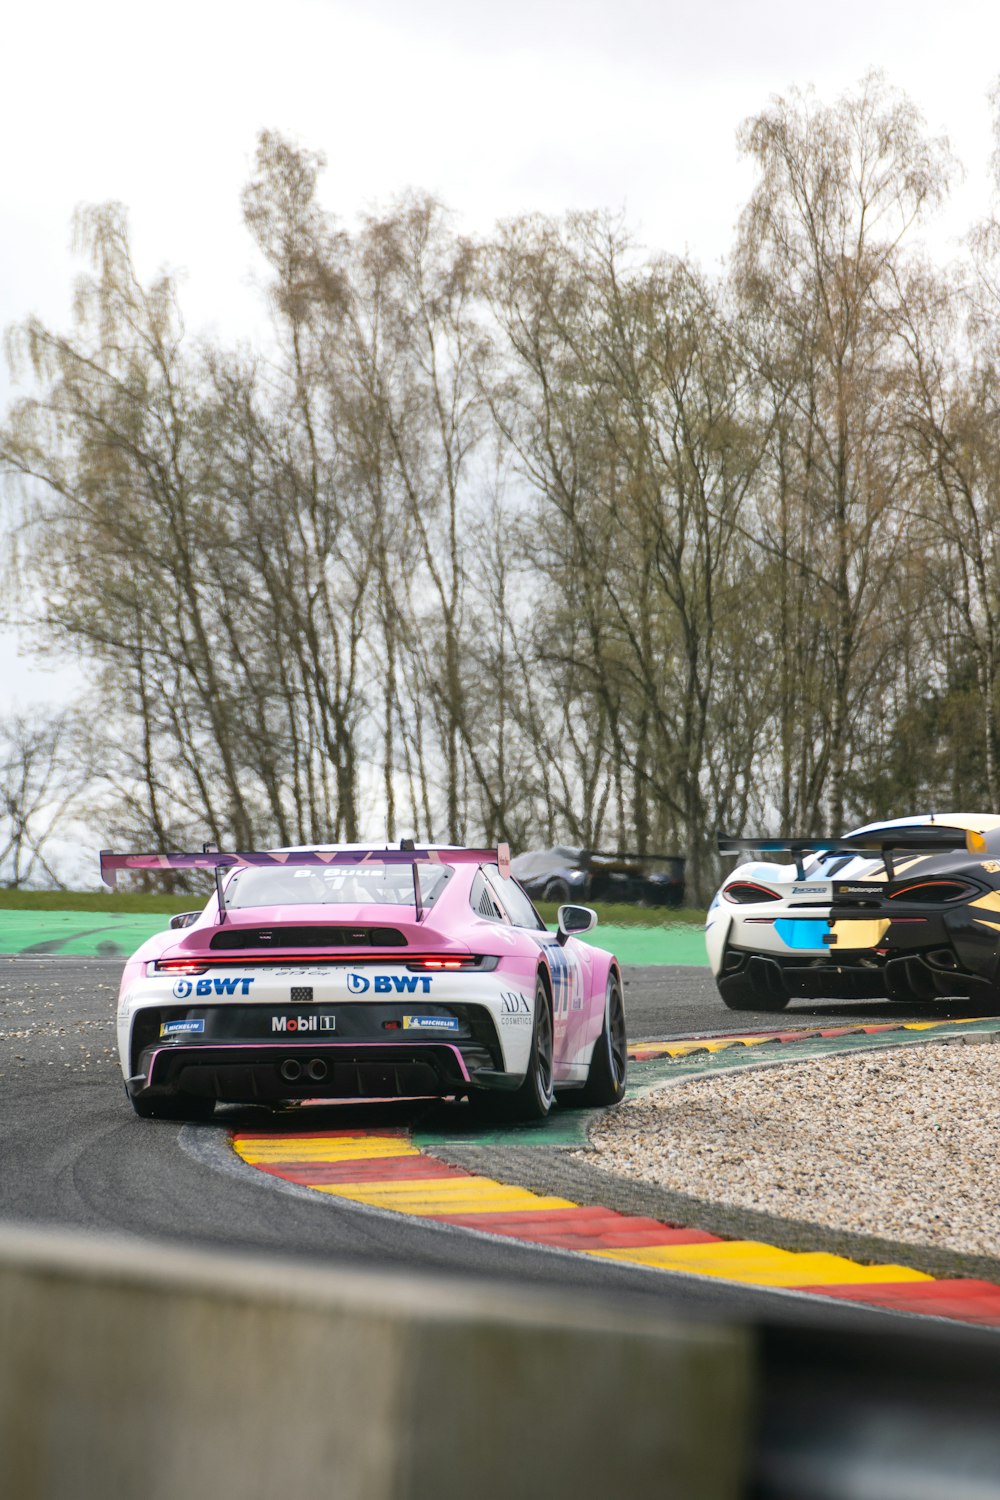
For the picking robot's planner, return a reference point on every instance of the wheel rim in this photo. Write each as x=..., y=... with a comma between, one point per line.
x=617, y=1038
x=543, y=1043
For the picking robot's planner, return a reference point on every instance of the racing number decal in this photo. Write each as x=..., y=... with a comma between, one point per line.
x=560, y=987
x=567, y=989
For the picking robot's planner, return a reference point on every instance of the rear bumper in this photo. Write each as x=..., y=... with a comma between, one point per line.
x=934, y=975
x=236, y=1052
x=244, y=1073
x=861, y=952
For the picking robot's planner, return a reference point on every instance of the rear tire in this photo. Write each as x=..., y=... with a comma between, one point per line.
x=739, y=994
x=533, y=1099
x=557, y=891
x=174, y=1107
x=609, y=1063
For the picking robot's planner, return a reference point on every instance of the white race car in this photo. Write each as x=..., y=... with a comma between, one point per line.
x=907, y=909
x=346, y=972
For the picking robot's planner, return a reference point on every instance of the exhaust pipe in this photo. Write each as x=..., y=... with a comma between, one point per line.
x=316, y=1070
x=291, y=1071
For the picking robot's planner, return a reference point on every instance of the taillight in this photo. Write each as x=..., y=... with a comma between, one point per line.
x=743, y=892
x=178, y=966
x=464, y=962
x=930, y=892
x=451, y=962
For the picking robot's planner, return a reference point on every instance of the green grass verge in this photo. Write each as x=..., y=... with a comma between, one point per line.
x=612, y=915
x=684, y=946
x=114, y=934
x=113, y=924
x=136, y=901
x=617, y=914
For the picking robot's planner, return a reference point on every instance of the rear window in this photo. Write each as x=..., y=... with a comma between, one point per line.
x=519, y=907
x=484, y=901
x=339, y=885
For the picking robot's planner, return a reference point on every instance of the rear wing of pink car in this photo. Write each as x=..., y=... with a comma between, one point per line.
x=216, y=859
x=216, y=862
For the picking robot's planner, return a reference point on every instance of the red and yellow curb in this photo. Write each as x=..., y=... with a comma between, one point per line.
x=647, y=1051
x=382, y=1168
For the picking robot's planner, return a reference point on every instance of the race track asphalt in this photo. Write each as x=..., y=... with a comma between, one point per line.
x=73, y=1154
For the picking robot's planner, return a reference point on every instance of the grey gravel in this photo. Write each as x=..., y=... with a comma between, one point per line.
x=39, y=1024
x=895, y=1144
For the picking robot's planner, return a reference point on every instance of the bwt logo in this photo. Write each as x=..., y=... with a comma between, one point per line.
x=184, y=987
x=390, y=984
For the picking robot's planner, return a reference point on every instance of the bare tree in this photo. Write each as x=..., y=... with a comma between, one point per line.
x=821, y=248
x=625, y=409
x=42, y=784
x=541, y=538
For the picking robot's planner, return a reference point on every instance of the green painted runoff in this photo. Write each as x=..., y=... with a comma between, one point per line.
x=113, y=934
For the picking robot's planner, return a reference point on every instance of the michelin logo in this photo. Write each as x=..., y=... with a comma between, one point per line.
x=185, y=987
x=430, y=1023
x=390, y=984
x=181, y=1028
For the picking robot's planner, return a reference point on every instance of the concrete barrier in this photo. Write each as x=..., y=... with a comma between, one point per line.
x=156, y=1372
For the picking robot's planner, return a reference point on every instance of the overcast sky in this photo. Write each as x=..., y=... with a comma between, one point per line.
x=534, y=104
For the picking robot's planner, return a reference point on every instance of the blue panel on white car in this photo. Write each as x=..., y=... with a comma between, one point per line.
x=802, y=932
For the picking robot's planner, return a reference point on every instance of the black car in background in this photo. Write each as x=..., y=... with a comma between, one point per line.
x=584, y=875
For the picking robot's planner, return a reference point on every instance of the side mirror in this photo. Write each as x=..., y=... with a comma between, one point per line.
x=184, y=918
x=573, y=920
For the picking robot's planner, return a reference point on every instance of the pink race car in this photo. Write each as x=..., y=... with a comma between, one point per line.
x=340, y=972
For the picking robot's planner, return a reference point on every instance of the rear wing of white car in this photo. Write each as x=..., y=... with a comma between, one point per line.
x=928, y=838
x=218, y=862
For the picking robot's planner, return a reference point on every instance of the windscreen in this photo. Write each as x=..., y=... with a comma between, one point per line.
x=355, y=885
